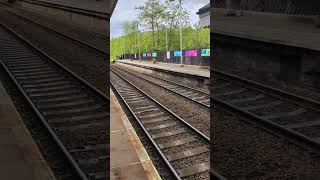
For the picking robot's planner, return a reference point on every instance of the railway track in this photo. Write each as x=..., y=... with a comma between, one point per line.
x=73, y=112
x=90, y=39
x=290, y=115
x=197, y=96
x=184, y=149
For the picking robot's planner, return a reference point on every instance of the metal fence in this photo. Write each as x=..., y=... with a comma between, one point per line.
x=163, y=56
x=299, y=7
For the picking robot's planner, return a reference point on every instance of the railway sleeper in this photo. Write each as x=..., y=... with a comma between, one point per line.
x=187, y=153
x=176, y=143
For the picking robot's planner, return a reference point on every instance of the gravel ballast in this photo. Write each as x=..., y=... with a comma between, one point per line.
x=194, y=114
x=243, y=151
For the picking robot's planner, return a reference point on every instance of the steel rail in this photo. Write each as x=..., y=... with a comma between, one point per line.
x=41, y=117
x=267, y=89
x=289, y=7
x=191, y=88
x=193, y=130
x=173, y=171
x=216, y=175
x=175, y=92
x=268, y=124
x=45, y=123
x=60, y=33
x=77, y=10
x=290, y=134
x=64, y=68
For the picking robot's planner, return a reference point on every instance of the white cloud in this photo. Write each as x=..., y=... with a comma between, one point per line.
x=125, y=11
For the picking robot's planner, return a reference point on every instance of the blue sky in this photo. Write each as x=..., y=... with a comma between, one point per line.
x=125, y=11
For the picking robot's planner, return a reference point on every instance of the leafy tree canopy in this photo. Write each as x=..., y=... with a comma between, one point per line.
x=162, y=21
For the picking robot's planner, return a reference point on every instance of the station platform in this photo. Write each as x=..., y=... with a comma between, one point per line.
x=128, y=157
x=293, y=31
x=186, y=69
x=20, y=158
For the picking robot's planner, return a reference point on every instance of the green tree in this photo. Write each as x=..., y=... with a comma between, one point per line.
x=196, y=37
x=159, y=19
x=172, y=19
x=130, y=30
x=150, y=16
x=193, y=39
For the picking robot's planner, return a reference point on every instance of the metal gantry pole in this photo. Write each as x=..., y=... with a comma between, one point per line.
x=181, y=57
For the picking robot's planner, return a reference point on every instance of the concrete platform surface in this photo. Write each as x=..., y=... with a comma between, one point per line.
x=186, y=69
x=269, y=29
x=128, y=158
x=20, y=158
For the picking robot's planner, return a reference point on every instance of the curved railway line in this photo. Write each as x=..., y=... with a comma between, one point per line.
x=290, y=115
x=197, y=96
x=73, y=112
x=184, y=149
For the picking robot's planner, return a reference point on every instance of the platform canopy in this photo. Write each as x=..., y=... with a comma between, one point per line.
x=112, y=5
x=299, y=7
x=101, y=6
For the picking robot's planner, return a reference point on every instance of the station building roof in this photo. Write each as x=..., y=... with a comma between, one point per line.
x=204, y=9
x=204, y=15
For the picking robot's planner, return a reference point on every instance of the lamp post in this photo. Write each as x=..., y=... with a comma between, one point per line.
x=166, y=38
x=166, y=24
x=181, y=57
x=124, y=56
x=138, y=40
